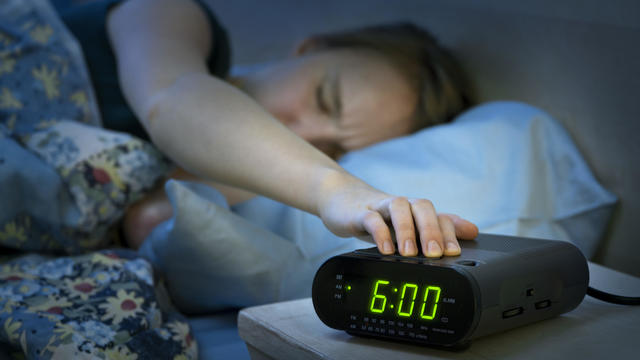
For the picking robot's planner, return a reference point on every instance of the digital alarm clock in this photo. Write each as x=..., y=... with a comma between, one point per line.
x=498, y=283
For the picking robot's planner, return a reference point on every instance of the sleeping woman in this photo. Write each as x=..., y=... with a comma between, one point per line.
x=278, y=130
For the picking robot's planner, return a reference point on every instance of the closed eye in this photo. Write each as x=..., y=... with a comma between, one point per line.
x=320, y=99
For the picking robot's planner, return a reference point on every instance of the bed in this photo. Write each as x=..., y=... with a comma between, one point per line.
x=573, y=61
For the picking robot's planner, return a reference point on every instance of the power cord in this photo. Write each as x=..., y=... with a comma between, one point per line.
x=611, y=298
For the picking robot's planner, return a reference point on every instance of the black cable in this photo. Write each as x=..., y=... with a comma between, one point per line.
x=611, y=298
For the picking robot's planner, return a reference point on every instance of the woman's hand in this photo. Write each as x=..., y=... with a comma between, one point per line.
x=356, y=209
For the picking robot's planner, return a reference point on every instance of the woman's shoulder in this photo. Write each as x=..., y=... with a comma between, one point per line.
x=179, y=15
x=88, y=22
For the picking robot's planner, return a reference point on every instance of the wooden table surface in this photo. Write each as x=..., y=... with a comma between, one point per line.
x=594, y=330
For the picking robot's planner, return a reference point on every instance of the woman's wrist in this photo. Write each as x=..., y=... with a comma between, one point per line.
x=329, y=181
x=337, y=182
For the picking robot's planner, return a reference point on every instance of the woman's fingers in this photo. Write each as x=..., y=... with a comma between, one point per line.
x=465, y=229
x=375, y=225
x=451, y=246
x=438, y=233
x=426, y=219
x=402, y=220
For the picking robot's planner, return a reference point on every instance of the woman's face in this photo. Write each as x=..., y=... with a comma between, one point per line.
x=338, y=100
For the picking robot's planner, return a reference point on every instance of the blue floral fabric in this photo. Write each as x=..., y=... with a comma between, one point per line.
x=64, y=180
x=102, y=305
x=64, y=183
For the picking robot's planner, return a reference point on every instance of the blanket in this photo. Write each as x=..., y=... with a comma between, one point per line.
x=64, y=183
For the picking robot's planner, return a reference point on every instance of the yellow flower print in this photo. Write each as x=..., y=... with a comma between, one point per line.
x=181, y=333
x=13, y=232
x=11, y=329
x=80, y=99
x=105, y=171
x=89, y=242
x=9, y=305
x=8, y=101
x=26, y=25
x=49, y=80
x=13, y=273
x=41, y=33
x=123, y=305
x=61, y=62
x=63, y=330
x=6, y=64
x=53, y=305
x=107, y=259
x=11, y=123
x=44, y=124
x=23, y=342
x=121, y=352
x=104, y=210
x=81, y=287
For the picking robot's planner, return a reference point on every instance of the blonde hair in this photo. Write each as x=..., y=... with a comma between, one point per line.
x=442, y=87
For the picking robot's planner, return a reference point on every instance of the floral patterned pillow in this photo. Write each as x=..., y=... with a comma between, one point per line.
x=64, y=180
x=72, y=182
x=102, y=305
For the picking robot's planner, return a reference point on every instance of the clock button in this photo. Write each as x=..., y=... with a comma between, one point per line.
x=512, y=312
x=543, y=304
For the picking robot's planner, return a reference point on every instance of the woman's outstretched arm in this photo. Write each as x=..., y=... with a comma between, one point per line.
x=215, y=131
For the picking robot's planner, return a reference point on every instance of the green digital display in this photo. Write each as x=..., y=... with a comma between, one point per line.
x=404, y=300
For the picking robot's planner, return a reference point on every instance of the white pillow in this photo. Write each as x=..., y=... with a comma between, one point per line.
x=213, y=259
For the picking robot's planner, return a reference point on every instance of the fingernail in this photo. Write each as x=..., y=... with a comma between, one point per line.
x=433, y=249
x=453, y=247
x=388, y=249
x=409, y=248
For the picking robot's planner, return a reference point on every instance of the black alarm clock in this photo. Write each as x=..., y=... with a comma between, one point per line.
x=498, y=283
